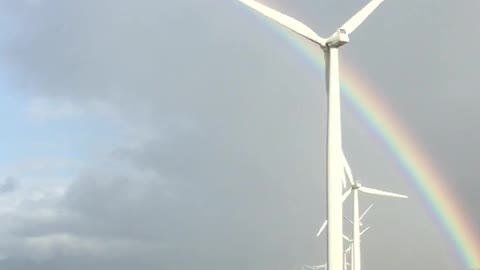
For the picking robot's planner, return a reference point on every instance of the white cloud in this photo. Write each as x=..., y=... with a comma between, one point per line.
x=42, y=172
x=25, y=203
x=45, y=109
x=48, y=246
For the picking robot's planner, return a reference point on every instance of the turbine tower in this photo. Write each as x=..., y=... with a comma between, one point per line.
x=335, y=175
x=355, y=188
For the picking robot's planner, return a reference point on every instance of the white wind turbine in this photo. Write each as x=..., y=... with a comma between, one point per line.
x=350, y=241
x=355, y=188
x=316, y=267
x=350, y=250
x=330, y=47
x=347, y=251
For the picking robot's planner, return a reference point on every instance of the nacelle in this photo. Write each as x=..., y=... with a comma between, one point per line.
x=338, y=39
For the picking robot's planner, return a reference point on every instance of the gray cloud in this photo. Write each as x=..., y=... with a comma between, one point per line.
x=10, y=184
x=228, y=164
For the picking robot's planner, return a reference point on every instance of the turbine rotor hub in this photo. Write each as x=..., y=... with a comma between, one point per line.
x=338, y=39
x=356, y=185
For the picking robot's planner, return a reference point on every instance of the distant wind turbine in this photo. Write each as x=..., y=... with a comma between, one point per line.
x=355, y=187
x=350, y=241
x=351, y=250
x=316, y=267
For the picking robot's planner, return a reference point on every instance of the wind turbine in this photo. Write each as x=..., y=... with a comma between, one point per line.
x=355, y=188
x=330, y=46
x=350, y=248
x=345, y=263
x=316, y=267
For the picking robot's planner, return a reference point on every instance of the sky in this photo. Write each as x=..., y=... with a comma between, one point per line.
x=178, y=134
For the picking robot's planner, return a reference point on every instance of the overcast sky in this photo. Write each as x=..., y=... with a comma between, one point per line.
x=191, y=134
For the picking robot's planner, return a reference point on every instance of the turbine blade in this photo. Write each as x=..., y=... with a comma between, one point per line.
x=347, y=169
x=286, y=21
x=322, y=228
x=366, y=229
x=360, y=16
x=381, y=193
x=346, y=194
x=366, y=211
x=349, y=220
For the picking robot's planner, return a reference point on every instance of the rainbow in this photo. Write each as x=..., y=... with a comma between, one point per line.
x=420, y=170
x=394, y=135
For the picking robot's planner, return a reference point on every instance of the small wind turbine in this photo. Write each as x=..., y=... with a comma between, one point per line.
x=316, y=267
x=355, y=188
x=350, y=248
x=330, y=46
x=347, y=251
